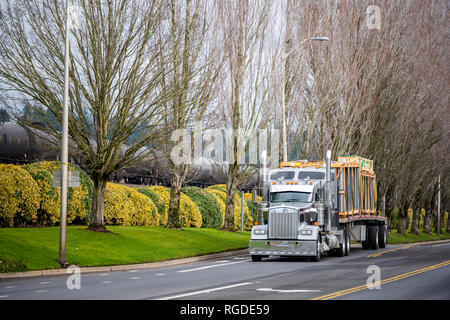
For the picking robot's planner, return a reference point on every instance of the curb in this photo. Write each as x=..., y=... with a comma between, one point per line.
x=125, y=267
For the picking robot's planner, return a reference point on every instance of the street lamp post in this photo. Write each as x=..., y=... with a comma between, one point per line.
x=283, y=102
x=64, y=146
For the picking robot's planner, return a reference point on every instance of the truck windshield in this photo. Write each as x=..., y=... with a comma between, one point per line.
x=290, y=196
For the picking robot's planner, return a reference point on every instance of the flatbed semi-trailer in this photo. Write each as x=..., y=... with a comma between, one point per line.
x=317, y=207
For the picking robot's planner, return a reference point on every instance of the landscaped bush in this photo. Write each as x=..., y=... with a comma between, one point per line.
x=248, y=220
x=208, y=206
x=249, y=196
x=188, y=209
x=253, y=209
x=19, y=200
x=126, y=206
x=79, y=199
x=220, y=187
x=158, y=201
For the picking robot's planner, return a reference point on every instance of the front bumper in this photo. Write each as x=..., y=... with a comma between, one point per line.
x=303, y=248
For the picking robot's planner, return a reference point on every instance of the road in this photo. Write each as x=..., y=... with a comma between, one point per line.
x=406, y=272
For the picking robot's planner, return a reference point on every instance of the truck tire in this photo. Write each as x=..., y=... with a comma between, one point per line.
x=373, y=237
x=347, y=242
x=318, y=255
x=340, y=252
x=256, y=258
x=382, y=236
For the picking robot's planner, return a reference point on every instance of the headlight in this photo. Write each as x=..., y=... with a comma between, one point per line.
x=306, y=232
x=260, y=231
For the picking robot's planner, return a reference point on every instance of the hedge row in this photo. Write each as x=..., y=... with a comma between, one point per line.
x=27, y=197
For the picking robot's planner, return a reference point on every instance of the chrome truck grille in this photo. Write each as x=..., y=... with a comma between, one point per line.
x=283, y=223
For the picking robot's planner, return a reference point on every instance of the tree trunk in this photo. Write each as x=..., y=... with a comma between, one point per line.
x=415, y=219
x=230, y=201
x=175, y=219
x=448, y=222
x=389, y=209
x=428, y=220
x=402, y=214
x=401, y=226
x=97, y=222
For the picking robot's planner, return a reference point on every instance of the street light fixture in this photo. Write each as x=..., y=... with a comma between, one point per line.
x=323, y=39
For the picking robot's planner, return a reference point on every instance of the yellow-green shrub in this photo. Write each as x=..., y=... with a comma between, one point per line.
x=409, y=217
x=422, y=218
x=19, y=198
x=158, y=201
x=218, y=195
x=79, y=199
x=249, y=196
x=164, y=195
x=188, y=209
x=126, y=206
x=220, y=187
x=248, y=220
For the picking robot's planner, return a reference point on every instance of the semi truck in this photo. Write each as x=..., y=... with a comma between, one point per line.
x=318, y=207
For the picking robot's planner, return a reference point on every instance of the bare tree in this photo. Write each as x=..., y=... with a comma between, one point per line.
x=246, y=95
x=187, y=46
x=114, y=79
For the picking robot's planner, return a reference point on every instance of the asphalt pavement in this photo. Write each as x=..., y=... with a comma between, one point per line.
x=405, y=272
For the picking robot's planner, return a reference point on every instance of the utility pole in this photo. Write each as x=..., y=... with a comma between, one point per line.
x=64, y=147
x=438, y=226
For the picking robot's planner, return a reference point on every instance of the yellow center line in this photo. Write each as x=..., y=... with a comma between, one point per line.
x=383, y=252
x=396, y=278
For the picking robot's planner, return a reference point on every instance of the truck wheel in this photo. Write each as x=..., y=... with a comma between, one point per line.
x=316, y=258
x=382, y=236
x=373, y=237
x=347, y=242
x=340, y=252
x=256, y=258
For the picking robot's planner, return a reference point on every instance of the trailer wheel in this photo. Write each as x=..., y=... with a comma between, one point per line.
x=373, y=237
x=256, y=258
x=382, y=236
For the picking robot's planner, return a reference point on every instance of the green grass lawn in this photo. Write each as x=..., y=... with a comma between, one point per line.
x=421, y=237
x=23, y=249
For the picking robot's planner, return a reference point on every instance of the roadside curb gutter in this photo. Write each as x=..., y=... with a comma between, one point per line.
x=149, y=265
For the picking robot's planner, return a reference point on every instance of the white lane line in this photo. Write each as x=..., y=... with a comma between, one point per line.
x=160, y=274
x=213, y=266
x=222, y=261
x=44, y=282
x=40, y=291
x=286, y=290
x=205, y=291
x=132, y=271
x=104, y=274
x=438, y=245
x=10, y=287
x=4, y=296
x=106, y=282
x=239, y=258
x=135, y=278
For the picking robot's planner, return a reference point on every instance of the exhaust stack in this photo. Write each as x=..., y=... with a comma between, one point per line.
x=328, y=190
